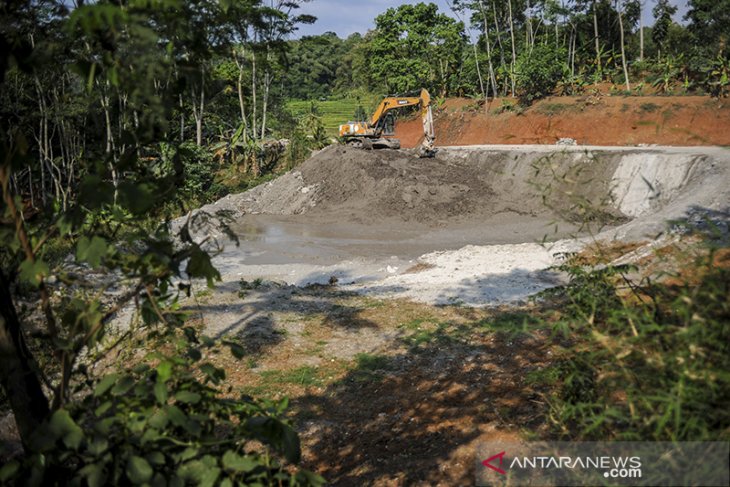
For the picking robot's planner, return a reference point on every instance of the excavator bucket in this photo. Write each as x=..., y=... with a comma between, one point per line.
x=426, y=153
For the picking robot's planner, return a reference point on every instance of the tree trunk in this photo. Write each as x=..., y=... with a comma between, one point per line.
x=267, y=85
x=619, y=8
x=492, y=78
x=182, y=118
x=514, y=51
x=479, y=72
x=110, y=149
x=199, y=118
x=239, y=88
x=595, y=35
x=253, y=95
x=499, y=41
x=30, y=186
x=574, y=36
x=17, y=375
x=641, y=31
x=529, y=34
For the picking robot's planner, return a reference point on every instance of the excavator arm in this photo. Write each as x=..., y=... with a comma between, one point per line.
x=392, y=103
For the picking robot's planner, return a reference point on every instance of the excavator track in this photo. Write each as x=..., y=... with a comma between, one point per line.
x=373, y=143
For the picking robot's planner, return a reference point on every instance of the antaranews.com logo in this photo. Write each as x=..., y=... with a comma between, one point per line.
x=612, y=467
x=603, y=463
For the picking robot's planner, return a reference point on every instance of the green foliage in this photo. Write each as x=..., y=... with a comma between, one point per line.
x=717, y=82
x=668, y=71
x=709, y=23
x=314, y=128
x=197, y=172
x=663, y=11
x=167, y=421
x=650, y=365
x=414, y=47
x=103, y=178
x=319, y=66
x=538, y=73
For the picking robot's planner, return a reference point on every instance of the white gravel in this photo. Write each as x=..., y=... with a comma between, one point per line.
x=476, y=275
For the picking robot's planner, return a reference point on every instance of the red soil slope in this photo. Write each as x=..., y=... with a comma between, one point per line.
x=590, y=120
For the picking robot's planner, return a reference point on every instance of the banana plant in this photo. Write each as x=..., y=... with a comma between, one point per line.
x=718, y=77
x=237, y=150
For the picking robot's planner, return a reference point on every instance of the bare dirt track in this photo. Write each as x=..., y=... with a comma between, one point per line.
x=597, y=119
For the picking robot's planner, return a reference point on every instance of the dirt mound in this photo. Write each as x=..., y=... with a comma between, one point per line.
x=362, y=185
x=484, y=185
x=358, y=186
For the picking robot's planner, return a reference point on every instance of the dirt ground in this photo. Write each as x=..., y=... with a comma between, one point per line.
x=396, y=392
x=389, y=392
x=597, y=119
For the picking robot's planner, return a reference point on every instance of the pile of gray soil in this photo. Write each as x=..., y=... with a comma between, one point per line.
x=368, y=186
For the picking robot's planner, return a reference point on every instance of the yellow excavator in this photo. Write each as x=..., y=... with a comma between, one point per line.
x=376, y=134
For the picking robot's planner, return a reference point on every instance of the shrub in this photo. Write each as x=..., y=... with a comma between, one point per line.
x=648, y=361
x=167, y=421
x=539, y=72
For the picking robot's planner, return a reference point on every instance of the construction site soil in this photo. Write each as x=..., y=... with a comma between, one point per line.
x=474, y=216
x=332, y=289
x=597, y=118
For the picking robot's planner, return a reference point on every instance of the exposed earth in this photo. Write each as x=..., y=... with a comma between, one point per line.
x=596, y=118
x=388, y=296
x=480, y=224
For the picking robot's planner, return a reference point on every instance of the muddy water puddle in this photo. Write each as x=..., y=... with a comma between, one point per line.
x=269, y=240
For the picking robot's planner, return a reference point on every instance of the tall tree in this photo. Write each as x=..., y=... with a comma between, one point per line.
x=624, y=62
x=663, y=12
x=280, y=21
x=415, y=46
x=709, y=22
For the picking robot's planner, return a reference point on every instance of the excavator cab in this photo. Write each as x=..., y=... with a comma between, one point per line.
x=389, y=124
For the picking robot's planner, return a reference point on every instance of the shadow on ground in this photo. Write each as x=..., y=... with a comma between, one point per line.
x=416, y=416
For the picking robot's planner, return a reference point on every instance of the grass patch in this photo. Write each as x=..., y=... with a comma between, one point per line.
x=647, y=362
x=371, y=367
x=545, y=376
x=371, y=362
x=424, y=333
x=305, y=376
x=511, y=323
x=648, y=107
x=333, y=112
x=551, y=109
